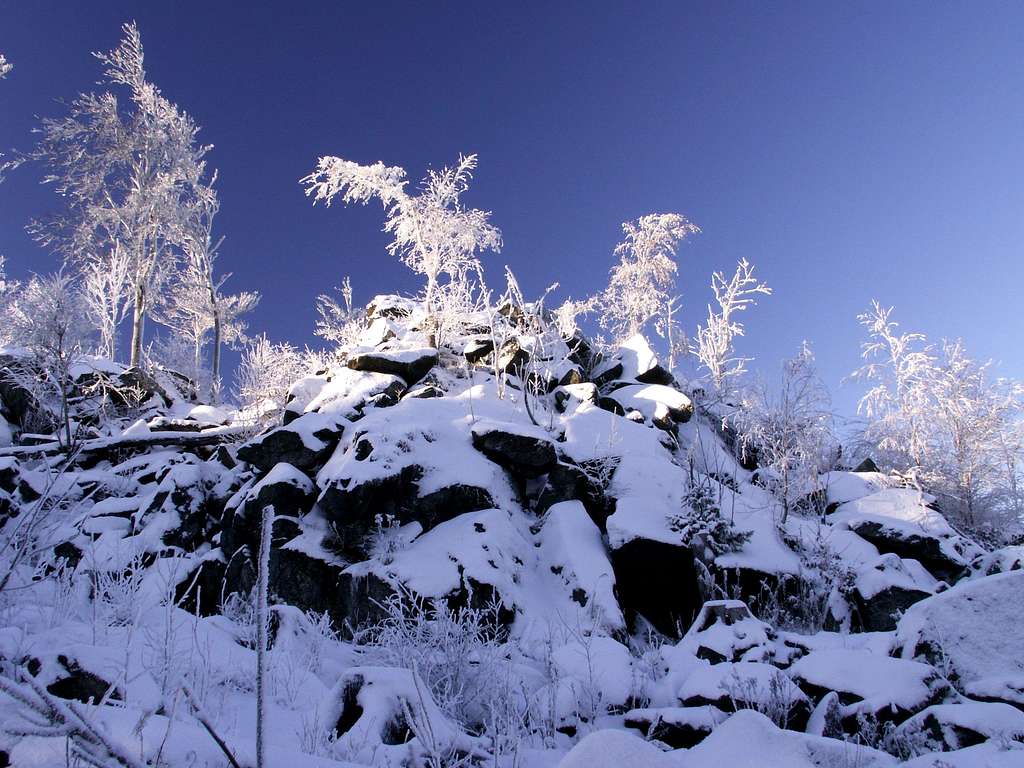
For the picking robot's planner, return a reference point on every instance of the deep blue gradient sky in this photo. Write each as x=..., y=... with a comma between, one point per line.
x=852, y=151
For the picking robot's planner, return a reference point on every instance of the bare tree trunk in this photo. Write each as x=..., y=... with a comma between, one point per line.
x=218, y=332
x=266, y=530
x=138, y=325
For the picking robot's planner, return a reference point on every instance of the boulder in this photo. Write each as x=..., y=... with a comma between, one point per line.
x=568, y=482
x=884, y=589
x=924, y=548
x=678, y=727
x=66, y=678
x=973, y=632
x=285, y=489
x=948, y=727
x=523, y=454
x=305, y=443
x=357, y=509
x=658, y=403
x=411, y=364
x=869, y=685
x=512, y=358
x=730, y=686
x=658, y=581
x=477, y=349
x=309, y=578
x=369, y=707
x=726, y=630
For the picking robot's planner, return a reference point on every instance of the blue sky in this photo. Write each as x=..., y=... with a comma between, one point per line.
x=851, y=151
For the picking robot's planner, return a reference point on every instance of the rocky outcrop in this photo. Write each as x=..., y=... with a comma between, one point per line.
x=411, y=364
x=305, y=443
x=523, y=454
x=643, y=568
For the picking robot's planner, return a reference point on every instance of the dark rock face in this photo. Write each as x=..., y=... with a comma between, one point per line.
x=566, y=482
x=477, y=350
x=285, y=444
x=868, y=465
x=449, y=502
x=523, y=455
x=926, y=549
x=881, y=612
x=291, y=497
x=70, y=681
x=659, y=582
x=354, y=509
x=512, y=358
x=313, y=584
x=203, y=586
x=679, y=727
x=16, y=404
x=410, y=368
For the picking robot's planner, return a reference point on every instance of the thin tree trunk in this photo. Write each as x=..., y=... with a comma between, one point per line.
x=266, y=530
x=215, y=364
x=138, y=325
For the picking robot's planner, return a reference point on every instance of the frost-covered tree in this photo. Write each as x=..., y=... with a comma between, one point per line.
x=791, y=432
x=640, y=284
x=194, y=306
x=899, y=368
x=127, y=171
x=48, y=322
x=8, y=292
x=339, y=322
x=5, y=67
x=105, y=293
x=265, y=374
x=938, y=416
x=714, y=346
x=433, y=233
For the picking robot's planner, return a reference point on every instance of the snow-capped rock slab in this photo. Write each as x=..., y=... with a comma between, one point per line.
x=898, y=521
x=750, y=739
x=948, y=727
x=870, y=684
x=656, y=402
x=730, y=686
x=411, y=364
x=679, y=727
x=304, y=443
x=974, y=629
x=726, y=630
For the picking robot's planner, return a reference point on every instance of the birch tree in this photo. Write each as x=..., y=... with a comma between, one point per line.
x=433, y=233
x=48, y=322
x=195, y=307
x=640, y=284
x=715, y=340
x=127, y=171
x=791, y=431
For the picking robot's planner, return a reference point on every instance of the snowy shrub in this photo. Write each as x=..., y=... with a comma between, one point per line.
x=454, y=651
x=339, y=322
x=264, y=376
x=714, y=345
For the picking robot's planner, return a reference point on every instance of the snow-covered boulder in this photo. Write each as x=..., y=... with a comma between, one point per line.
x=974, y=631
x=305, y=443
x=634, y=360
x=899, y=521
x=746, y=685
x=411, y=364
x=726, y=630
x=748, y=738
x=616, y=749
x=870, y=684
x=678, y=727
x=571, y=548
x=284, y=488
x=659, y=404
x=386, y=716
x=948, y=727
x=883, y=589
